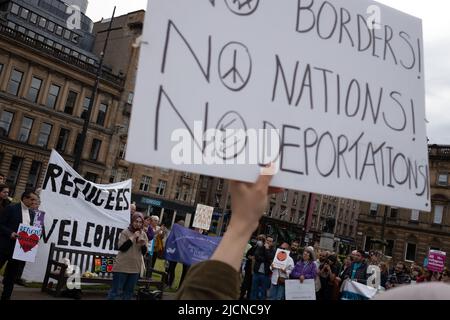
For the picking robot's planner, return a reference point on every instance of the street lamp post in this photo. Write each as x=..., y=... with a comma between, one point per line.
x=80, y=145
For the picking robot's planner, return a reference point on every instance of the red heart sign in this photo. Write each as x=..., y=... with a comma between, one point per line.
x=27, y=242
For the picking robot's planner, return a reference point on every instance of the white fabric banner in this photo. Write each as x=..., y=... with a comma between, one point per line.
x=352, y=290
x=78, y=214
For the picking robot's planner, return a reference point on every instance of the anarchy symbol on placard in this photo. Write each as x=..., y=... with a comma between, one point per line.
x=242, y=7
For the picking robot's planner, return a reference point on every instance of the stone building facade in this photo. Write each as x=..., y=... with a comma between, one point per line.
x=44, y=90
x=409, y=234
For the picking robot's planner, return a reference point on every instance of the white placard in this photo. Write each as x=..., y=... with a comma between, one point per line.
x=281, y=258
x=295, y=290
x=341, y=83
x=28, y=243
x=203, y=216
x=79, y=214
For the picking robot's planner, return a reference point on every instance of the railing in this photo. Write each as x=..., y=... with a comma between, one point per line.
x=439, y=151
x=45, y=48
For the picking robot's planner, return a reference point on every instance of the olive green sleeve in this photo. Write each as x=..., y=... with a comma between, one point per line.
x=210, y=280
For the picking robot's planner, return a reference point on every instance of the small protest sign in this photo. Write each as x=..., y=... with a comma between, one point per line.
x=203, y=216
x=436, y=260
x=281, y=258
x=27, y=243
x=295, y=290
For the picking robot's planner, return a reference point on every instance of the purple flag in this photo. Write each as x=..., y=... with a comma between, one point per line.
x=188, y=246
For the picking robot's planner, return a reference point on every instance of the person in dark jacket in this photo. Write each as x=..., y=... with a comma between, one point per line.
x=398, y=277
x=263, y=256
x=4, y=197
x=10, y=219
x=358, y=269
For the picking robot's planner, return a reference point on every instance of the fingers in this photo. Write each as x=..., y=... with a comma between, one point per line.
x=263, y=182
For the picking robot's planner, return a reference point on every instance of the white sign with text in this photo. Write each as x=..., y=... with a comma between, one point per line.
x=203, y=216
x=331, y=91
x=295, y=290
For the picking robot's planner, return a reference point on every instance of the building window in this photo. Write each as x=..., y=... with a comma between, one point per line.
x=389, y=250
x=130, y=97
x=42, y=22
x=145, y=183
x=373, y=209
x=205, y=182
x=49, y=42
x=161, y=188
x=285, y=196
x=25, y=129
x=367, y=243
x=102, y=114
x=393, y=213
x=292, y=216
x=75, y=38
x=283, y=211
x=70, y=103
x=33, y=176
x=112, y=177
x=33, y=18
x=11, y=25
x=21, y=29
x=95, y=149
x=415, y=215
x=218, y=197
x=58, y=46
x=303, y=202
x=91, y=177
x=5, y=123
x=15, y=9
x=185, y=192
x=51, y=26
x=443, y=179
x=14, y=172
x=66, y=34
x=24, y=13
x=410, y=254
x=1, y=68
x=35, y=88
x=31, y=34
x=438, y=211
x=122, y=149
x=40, y=38
x=86, y=103
x=53, y=94
x=44, y=135
x=63, y=137
x=15, y=82
x=219, y=184
x=59, y=30
x=295, y=200
x=77, y=144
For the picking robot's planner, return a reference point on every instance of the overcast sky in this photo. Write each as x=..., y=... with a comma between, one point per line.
x=436, y=22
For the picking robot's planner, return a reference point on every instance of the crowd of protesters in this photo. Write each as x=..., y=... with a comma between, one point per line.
x=262, y=281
